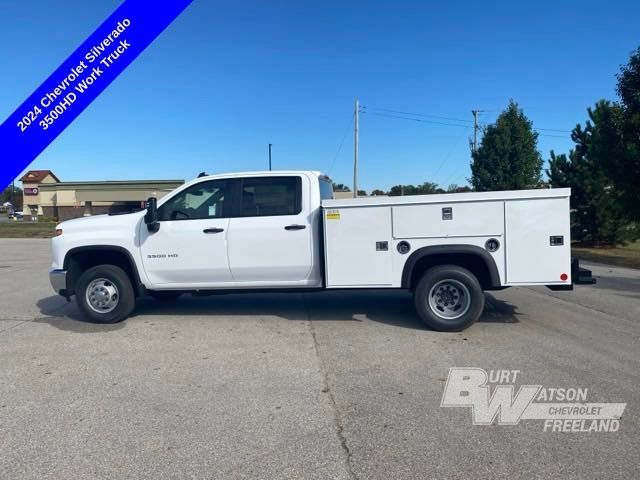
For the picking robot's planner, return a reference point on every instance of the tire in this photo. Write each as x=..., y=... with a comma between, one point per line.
x=449, y=298
x=166, y=296
x=104, y=294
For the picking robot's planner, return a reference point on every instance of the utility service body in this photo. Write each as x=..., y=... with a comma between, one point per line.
x=83, y=75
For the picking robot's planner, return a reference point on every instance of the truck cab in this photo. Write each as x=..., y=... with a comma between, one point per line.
x=241, y=231
x=283, y=231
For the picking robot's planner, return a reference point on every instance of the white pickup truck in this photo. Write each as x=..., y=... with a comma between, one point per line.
x=284, y=231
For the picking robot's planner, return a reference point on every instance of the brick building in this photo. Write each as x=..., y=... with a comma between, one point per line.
x=45, y=195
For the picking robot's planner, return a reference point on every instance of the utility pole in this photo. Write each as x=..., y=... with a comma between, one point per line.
x=475, y=128
x=355, y=150
x=270, y=157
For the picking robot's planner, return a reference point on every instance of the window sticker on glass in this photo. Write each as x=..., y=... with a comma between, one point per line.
x=212, y=210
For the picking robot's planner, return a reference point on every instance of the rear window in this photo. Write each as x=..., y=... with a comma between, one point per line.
x=271, y=196
x=326, y=190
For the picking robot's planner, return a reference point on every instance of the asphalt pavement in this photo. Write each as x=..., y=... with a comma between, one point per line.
x=339, y=385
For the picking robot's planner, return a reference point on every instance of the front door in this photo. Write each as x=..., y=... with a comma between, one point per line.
x=270, y=232
x=190, y=248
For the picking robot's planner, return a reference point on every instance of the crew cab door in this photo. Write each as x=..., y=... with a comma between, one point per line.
x=270, y=232
x=190, y=248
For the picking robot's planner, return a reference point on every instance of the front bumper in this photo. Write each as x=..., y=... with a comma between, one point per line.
x=58, y=279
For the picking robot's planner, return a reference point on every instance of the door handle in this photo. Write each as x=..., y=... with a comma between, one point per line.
x=213, y=230
x=295, y=227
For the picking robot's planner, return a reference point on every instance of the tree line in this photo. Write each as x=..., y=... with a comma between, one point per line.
x=602, y=168
x=12, y=196
x=426, y=188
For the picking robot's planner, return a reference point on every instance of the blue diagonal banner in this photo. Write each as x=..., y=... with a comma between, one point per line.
x=80, y=79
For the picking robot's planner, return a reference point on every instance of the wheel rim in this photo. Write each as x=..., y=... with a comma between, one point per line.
x=449, y=299
x=102, y=295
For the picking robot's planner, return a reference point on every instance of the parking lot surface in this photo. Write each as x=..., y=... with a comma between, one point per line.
x=337, y=385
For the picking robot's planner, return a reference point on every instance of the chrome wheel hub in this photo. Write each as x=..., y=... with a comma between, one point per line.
x=449, y=299
x=102, y=295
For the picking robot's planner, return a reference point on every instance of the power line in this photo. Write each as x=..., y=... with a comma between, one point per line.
x=547, y=135
x=402, y=115
x=455, y=175
x=446, y=157
x=553, y=130
x=414, y=119
x=456, y=125
x=426, y=115
x=344, y=137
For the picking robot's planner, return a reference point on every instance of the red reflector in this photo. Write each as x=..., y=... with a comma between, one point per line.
x=564, y=277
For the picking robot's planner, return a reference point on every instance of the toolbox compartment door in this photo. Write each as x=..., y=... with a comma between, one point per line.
x=358, y=247
x=538, y=241
x=455, y=219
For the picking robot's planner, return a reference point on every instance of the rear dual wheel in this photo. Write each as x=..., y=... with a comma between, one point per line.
x=449, y=298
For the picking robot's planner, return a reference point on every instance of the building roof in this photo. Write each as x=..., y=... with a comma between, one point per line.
x=112, y=185
x=37, y=176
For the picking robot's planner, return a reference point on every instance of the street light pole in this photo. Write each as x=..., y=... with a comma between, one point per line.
x=355, y=150
x=270, y=157
x=475, y=128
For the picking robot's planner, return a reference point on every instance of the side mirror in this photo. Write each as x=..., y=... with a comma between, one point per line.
x=151, y=217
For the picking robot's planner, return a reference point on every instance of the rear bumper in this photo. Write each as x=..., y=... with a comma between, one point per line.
x=58, y=279
x=579, y=275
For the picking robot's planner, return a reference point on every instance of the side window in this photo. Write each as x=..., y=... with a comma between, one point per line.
x=270, y=196
x=200, y=201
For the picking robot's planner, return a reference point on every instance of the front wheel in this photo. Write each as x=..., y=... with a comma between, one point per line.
x=449, y=298
x=104, y=294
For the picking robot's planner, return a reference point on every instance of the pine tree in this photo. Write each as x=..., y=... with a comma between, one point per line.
x=597, y=216
x=624, y=167
x=507, y=158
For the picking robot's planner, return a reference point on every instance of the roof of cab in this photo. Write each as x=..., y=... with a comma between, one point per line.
x=265, y=173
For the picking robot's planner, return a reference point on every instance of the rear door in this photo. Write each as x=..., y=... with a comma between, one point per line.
x=270, y=231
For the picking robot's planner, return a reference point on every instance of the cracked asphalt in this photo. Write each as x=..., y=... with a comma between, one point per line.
x=340, y=385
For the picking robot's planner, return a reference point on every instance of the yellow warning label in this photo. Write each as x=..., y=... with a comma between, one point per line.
x=333, y=215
